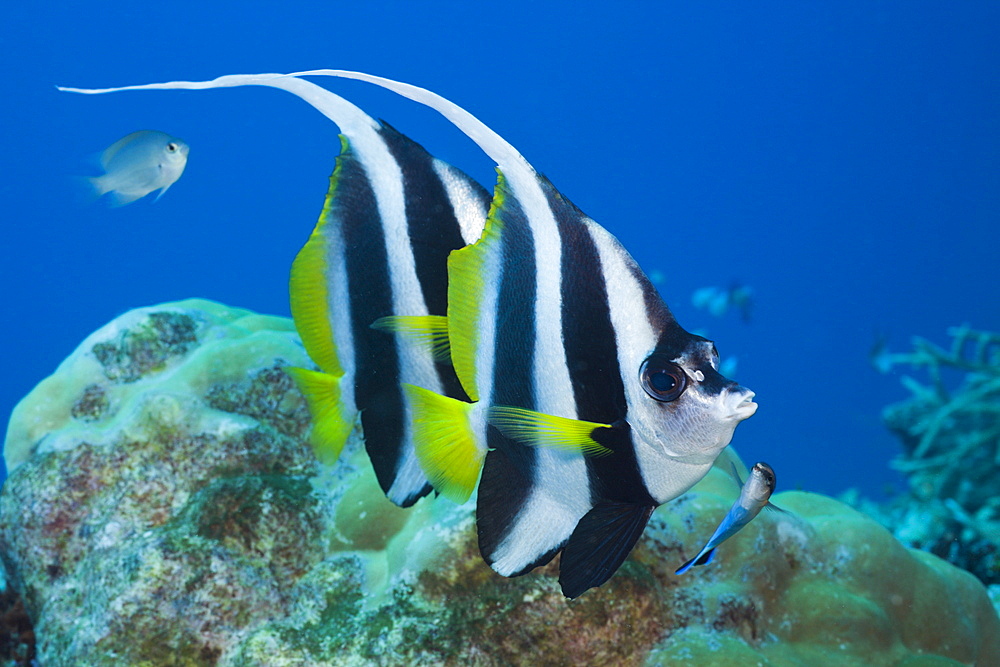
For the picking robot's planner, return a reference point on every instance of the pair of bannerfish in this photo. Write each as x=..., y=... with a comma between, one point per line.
x=506, y=340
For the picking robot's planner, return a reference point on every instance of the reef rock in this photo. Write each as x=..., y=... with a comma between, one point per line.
x=164, y=508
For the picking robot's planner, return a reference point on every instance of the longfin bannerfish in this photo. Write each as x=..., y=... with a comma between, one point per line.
x=589, y=405
x=563, y=325
x=754, y=496
x=379, y=250
x=393, y=214
x=363, y=256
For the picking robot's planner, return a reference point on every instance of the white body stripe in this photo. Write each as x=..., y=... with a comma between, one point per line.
x=339, y=303
x=416, y=364
x=470, y=210
x=560, y=495
x=665, y=476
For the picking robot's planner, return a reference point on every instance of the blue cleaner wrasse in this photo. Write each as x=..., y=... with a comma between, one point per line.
x=755, y=495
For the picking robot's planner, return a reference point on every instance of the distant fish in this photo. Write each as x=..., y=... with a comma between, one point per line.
x=754, y=496
x=139, y=163
x=718, y=301
x=879, y=356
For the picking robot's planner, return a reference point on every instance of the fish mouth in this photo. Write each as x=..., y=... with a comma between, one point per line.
x=741, y=404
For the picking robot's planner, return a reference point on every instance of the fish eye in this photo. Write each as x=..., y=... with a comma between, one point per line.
x=767, y=471
x=662, y=379
x=172, y=147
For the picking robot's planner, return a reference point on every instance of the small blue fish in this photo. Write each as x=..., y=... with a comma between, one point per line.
x=753, y=498
x=717, y=300
x=139, y=163
x=879, y=356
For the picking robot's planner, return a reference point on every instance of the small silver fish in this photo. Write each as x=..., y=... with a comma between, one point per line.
x=139, y=163
x=754, y=496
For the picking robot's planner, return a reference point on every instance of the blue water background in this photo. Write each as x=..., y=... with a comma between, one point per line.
x=841, y=158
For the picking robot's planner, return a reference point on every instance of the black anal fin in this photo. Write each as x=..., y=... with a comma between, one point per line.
x=601, y=541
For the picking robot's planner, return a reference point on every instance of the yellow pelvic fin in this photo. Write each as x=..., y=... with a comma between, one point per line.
x=445, y=442
x=467, y=276
x=332, y=423
x=534, y=428
x=430, y=331
x=308, y=284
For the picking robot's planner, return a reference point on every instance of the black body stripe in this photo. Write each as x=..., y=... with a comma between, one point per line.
x=509, y=469
x=592, y=356
x=434, y=231
x=588, y=335
x=617, y=477
x=376, y=384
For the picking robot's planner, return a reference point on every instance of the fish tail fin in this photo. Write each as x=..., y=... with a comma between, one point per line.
x=331, y=422
x=84, y=190
x=445, y=442
x=688, y=564
x=97, y=184
x=704, y=558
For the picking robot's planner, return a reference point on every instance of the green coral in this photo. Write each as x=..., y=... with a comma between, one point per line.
x=188, y=523
x=140, y=350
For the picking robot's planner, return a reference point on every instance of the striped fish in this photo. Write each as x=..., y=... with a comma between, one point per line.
x=588, y=404
x=392, y=215
x=591, y=404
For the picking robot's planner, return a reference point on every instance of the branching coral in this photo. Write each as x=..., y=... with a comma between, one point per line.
x=951, y=450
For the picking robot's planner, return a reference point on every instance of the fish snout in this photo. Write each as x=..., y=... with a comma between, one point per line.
x=739, y=401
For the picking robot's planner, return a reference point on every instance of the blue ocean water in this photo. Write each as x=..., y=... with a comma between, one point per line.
x=840, y=158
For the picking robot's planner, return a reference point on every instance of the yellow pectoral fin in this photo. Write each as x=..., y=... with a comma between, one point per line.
x=430, y=331
x=540, y=430
x=445, y=442
x=332, y=422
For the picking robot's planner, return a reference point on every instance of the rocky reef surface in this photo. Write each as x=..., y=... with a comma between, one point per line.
x=164, y=508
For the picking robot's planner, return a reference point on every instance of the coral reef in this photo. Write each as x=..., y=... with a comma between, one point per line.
x=17, y=636
x=164, y=508
x=951, y=452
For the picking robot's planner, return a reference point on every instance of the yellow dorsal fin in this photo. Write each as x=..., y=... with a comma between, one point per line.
x=540, y=430
x=469, y=268
x=308, y=284
x=445, y=442
x=331, y=422
x=430, y=331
